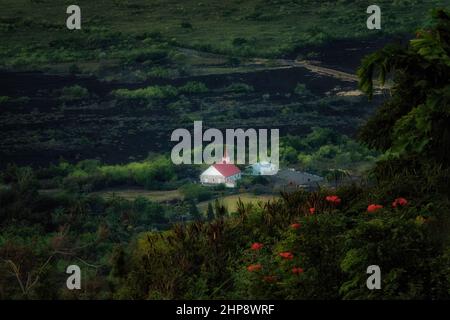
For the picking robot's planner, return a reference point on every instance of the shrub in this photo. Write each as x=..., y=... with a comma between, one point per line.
x=301, y=90
x=196, y=192
x=239, y=41
x=150, y=173
x=238, y=87
x=157, y=56
x=75, y=92
x=186, y=25
x=152, y=92
x=193, y=87
x=4, y=99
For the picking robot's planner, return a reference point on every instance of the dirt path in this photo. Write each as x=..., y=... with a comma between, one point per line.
x=260, y=64
x=268, y=64
x=313, y=67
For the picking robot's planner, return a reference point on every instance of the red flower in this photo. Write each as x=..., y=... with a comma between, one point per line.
x=312, y=210
x=286, y=255
x=333, y=199
x=297, y=270
x=295, y=225
x=374, y=207
x=254, y=267
x=257, y=246
x=270, y=279
x=399, y=202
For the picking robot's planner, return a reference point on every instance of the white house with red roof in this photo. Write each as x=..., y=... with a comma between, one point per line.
x=219, y=173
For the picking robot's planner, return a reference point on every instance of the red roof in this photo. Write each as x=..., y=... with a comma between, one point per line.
x=226, y=169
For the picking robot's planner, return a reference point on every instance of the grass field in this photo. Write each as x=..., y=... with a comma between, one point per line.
x=131, y=194
x=171, y=195
x=231, y=201
x=33, y=32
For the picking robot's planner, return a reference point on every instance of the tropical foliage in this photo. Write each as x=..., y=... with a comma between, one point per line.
x=414, y=122
x=306, y=245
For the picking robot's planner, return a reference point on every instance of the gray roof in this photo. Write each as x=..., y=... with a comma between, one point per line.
x=297, y=177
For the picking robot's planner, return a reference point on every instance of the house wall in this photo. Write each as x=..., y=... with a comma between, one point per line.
x=258, y=170
x=231, y=181
x=212, y=179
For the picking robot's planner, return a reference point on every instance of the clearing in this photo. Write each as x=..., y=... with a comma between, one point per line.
x=231, y=201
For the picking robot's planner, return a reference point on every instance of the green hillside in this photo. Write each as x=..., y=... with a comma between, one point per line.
x=86, y=176
x=33, y=32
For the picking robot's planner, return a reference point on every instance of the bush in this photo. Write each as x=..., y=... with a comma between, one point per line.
x=186, y=25
x=151, y=56
x=301, y=90
x=239, y=41
x=238, y=87
x=161, y=92
x=150, y=174
x=323, y=149
x=4, y=99
x=196, y=192
x=324, y=255
x=193, y=87
x=75, y=92
x=152, y=92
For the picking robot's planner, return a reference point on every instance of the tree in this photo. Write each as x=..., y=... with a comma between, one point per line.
x=415, y=122
x=195, y=192
x=193, y=211
x=118, y=261
x=210, y=213
x=337, y=176
x=220, y=209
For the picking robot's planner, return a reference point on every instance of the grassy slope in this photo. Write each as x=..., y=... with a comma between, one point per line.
x=270, y=27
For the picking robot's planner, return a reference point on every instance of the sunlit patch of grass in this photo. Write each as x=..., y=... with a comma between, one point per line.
x=230, y=202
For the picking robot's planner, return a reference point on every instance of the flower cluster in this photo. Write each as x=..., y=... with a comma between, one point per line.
x=286, y=255
x=289, y=260
x=374, y=207
x=333, y=199
x=297, y=270
x=254, y=267
x=257, y=246
x=295, y=226
x=399, y=202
